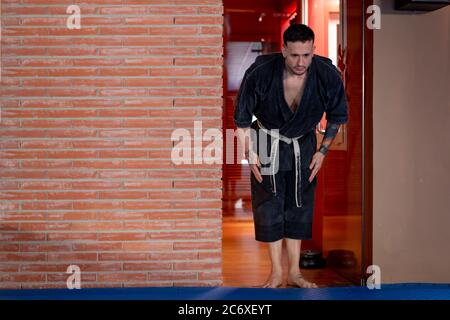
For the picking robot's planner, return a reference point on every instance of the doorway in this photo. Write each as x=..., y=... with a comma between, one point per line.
x=341, y=228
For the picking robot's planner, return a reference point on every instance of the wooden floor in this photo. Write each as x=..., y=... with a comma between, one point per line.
x=246, y=261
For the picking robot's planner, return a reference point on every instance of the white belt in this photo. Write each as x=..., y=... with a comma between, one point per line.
x=274, y=152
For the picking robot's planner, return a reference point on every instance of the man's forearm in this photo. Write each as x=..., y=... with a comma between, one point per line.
x=243, y=135
x=330, y=133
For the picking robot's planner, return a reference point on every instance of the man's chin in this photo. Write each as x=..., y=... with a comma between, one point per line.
x=299, y=72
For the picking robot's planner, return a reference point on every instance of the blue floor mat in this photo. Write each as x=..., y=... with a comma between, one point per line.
x=409, y=291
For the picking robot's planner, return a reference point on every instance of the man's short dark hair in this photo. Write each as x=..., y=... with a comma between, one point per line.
x=298, y=32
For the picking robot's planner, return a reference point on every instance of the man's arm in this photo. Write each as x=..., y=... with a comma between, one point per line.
x=336, y=110
x=243, y=135
x=245, y=141
x=246, y=100
x=330, y=133
x=336, y=114
x=316, y=163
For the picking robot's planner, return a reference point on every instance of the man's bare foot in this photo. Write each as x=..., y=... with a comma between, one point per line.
x=299, y=281
x=275, y=280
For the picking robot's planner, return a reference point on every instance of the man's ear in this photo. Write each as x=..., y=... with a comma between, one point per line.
x=283, y=50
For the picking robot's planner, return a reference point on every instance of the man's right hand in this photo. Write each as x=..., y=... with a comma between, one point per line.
x=254, y=163
x=252, y=157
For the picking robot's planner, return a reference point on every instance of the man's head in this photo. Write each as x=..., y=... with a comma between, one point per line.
x=298, y=48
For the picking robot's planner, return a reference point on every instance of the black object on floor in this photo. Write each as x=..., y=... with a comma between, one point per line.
x=312, y=259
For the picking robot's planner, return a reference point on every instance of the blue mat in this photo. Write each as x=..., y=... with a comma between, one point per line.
x=410, y=291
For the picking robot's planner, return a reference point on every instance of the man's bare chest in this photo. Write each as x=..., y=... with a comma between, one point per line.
x=293, y=91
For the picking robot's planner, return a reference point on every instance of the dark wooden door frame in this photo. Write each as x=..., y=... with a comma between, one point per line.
x=367, y=221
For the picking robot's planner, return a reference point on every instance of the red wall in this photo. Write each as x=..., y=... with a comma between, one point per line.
x=318, y=16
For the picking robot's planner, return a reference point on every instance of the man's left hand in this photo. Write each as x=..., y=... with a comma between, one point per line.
x=316, y=164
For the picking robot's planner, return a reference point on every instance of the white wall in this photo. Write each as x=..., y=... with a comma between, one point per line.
x=412, y=146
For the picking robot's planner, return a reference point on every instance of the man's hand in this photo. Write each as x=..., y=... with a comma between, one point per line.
x=244, y=138
x=316, y=164
x=253, y=161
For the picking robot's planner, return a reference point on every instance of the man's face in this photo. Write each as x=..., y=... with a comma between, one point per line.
x=298, y=56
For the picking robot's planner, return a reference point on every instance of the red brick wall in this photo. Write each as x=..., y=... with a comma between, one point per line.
x=86, y=123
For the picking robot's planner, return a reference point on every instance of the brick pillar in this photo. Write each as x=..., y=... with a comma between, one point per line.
x=85, y=152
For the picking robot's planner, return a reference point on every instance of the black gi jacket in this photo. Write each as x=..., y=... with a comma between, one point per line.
x=261, y=93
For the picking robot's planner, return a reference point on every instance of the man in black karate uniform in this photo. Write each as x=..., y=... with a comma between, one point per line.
x=287, y=92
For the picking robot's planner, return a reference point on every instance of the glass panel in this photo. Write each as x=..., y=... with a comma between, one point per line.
x=339, y=194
